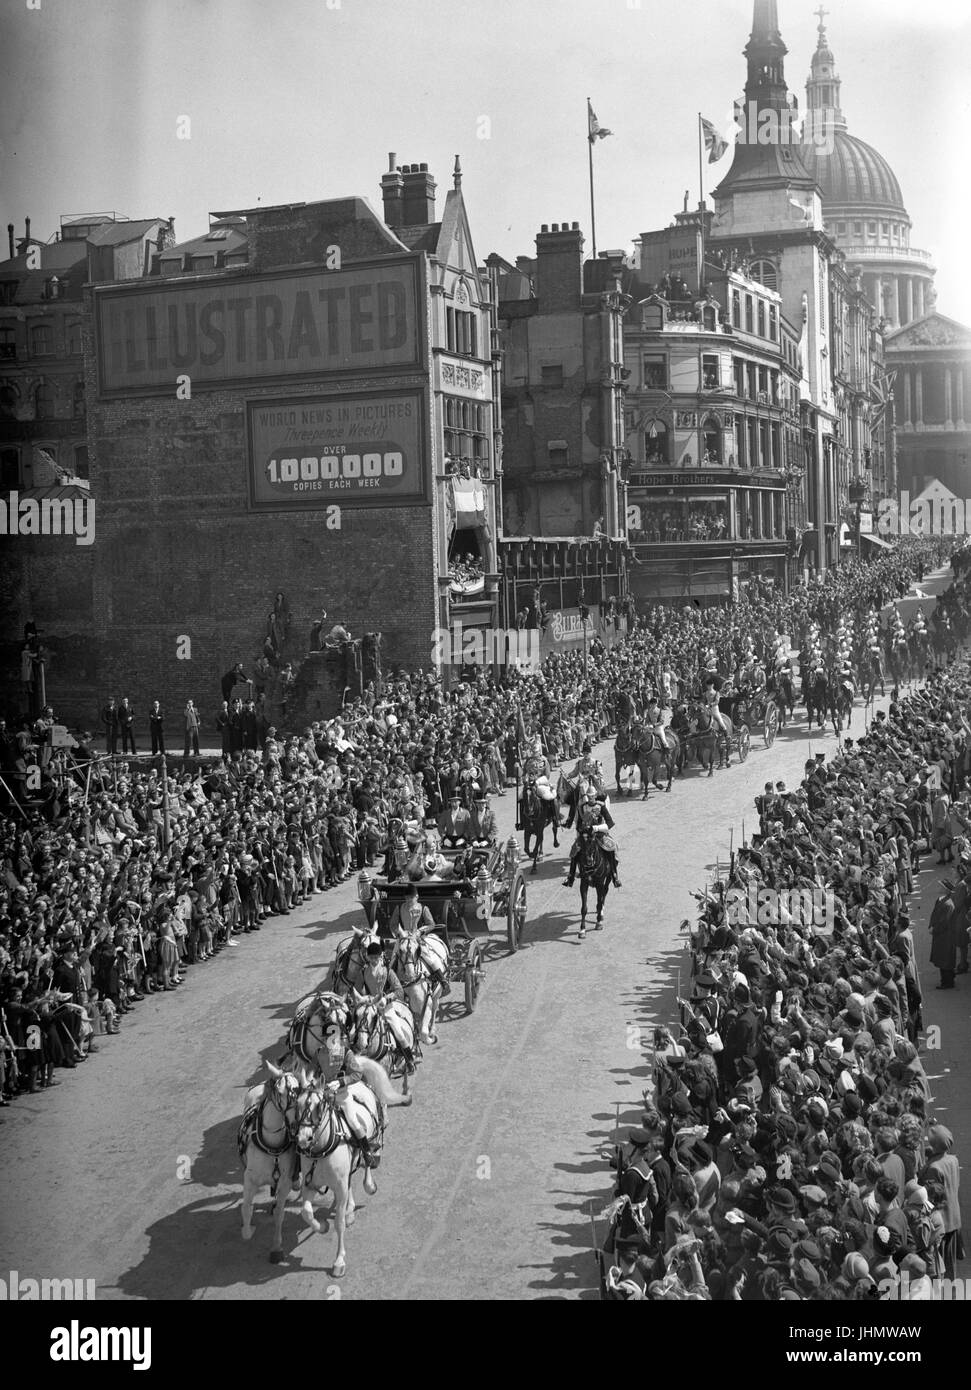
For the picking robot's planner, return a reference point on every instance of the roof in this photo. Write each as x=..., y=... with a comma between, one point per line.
x=230, y=239
x=420, y=238
x=756, y=166
x=117, y=233
x=855, y=175
x=67, y=493
x=68, y=260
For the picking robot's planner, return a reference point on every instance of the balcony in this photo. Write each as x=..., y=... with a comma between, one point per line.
x=884, y=253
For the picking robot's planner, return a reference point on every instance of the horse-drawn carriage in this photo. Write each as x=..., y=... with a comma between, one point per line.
x=464, y=888
x=756, y=709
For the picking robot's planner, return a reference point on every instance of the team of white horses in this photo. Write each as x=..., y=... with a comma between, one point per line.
x=321, y=1115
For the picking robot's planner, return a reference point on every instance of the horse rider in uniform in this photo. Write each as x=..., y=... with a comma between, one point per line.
x=713, y=683
x=537, y=770
x=657, y=721
x=594, y=816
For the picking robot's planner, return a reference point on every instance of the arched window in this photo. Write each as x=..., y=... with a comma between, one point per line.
x=709, y=318
x=77, y=400
x=711, y=432
x=8, y=399
x=657, y=445
x=653, y=317
x=43, y=400
x=766, y=274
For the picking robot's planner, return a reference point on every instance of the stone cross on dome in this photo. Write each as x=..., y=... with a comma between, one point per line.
x=822, y=20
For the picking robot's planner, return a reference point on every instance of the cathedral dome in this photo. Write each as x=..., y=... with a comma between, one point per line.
x=854, y=177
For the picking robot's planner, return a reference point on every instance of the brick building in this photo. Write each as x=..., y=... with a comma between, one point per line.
x=299, y=401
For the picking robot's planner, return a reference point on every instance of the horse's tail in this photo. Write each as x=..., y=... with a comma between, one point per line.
x=377, y=1078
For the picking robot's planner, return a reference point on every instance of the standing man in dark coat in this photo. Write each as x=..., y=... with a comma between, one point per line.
x=126, y=722
x=224, y=725
x=155, y=729
x=248, y=721
x=109, y=718
x=233, y=678
x=944, y=934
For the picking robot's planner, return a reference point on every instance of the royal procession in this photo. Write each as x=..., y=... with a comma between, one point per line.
x=561, y=664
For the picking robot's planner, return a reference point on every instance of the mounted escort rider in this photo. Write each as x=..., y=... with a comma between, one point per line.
x=657, y=720
x=593, y=815
x=712, y=684
x=588, y=770
x=537, y=770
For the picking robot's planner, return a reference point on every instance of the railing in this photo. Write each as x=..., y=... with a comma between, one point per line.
x=884, y=253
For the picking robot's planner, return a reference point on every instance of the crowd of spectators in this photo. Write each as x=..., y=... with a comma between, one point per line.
x=789, y=1148
x=115, y=887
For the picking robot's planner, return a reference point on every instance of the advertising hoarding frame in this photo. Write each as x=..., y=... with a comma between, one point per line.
x=340, y=497
x=231, y=282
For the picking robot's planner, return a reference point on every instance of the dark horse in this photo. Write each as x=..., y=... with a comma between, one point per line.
x=841, y=701
x=534, y=816
x=703, y=739
x=640, y=747
x=593, y=867
x=817, y=697
x=779, y=685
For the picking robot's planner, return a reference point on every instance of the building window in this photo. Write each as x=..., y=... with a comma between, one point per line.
x=749, y=314
x=652, y=318
x=738, y=367
x=8, y=344
x=776, y=446
x=552, y=376
x=466, y=435
x=753, y=444
x=885, y=229
x=43, y=401
x=761, y=318
x=8, y=400
x=766, y=274
x=9, y=469
x=736, y=309
x=710, y=376
x=656, y=373
x=42, y=340
x=657, y=450
x=709, y=319
x=460, y=336
x=74, y=345
x=871, y=228
x=8, y=291
x=741, y=451
x=857, y=228
x=773, y=323
x=752, y=378
x=764, y=385
x=765, y=459
x=77, y=399
x=712, y=440
x=841, y=229
x=81, y=460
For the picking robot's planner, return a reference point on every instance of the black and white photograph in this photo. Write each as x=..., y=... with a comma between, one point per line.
x=485, y=506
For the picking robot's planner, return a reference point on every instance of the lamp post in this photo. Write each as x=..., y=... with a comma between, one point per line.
x=857, y=494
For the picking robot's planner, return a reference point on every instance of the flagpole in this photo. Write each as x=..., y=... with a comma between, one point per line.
x=593, y=219
x=701, y=203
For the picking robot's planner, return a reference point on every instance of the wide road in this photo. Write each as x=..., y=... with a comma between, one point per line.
x=127, y=1172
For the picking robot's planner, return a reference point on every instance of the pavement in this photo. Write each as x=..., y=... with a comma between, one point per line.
x=127, y=1173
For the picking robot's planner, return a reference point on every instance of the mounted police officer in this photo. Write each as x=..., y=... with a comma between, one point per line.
x=537, y=770
x=593, y=816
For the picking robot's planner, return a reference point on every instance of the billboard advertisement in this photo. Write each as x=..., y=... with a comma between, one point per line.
x=361, y=450
x=250, y=329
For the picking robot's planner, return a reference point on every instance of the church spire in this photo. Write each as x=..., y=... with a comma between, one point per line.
x=764, y=52
x=823, y=114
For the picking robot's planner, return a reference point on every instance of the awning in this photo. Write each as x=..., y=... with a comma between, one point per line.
x=876, y=540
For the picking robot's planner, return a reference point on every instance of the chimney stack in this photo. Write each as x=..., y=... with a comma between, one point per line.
x=559, y=268
x=10, y=244
x=418, y=196
x=27, y=232
x=391, y=193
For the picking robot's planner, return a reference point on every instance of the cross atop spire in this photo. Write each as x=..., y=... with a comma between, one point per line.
x=822, y=20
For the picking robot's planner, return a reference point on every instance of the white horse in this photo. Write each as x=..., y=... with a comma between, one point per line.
x=266, y=1146
x=383, y=1029
x=418, y=956
x=341, y=1124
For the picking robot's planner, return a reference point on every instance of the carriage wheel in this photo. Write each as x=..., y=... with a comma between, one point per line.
x=516, y=913
x=743, y=743
x=472, y=978
x=771, y=723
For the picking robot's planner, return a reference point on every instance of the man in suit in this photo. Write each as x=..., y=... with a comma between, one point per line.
x=224, y=725
x=155, y=729
x=192, y=723
x=248, y=721
x=109, y=718
x=455, y=824
x=126, y=722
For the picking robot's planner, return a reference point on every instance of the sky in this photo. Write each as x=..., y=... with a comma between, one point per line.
x=299, y=100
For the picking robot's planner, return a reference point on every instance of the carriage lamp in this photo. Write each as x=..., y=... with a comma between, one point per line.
x=364, y=890
x=512, y=857
x=400, y=852
x=483, y=894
